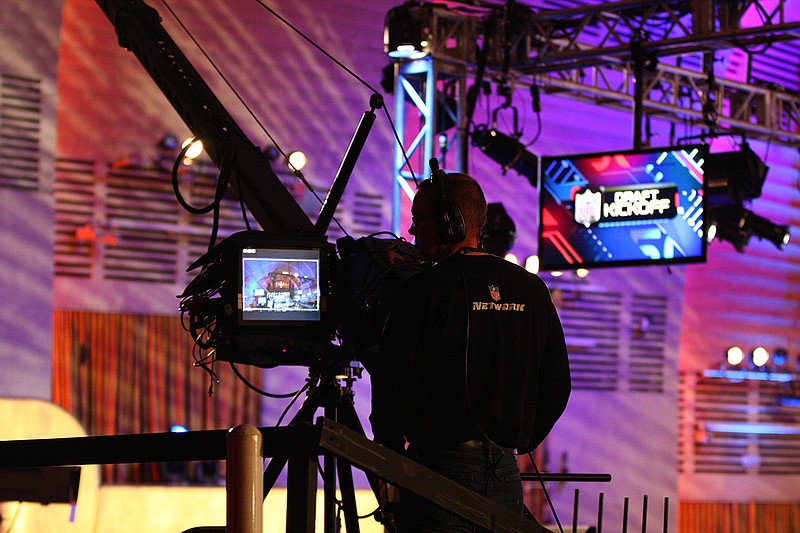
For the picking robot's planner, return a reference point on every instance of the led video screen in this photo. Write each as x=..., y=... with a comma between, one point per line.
x=622, y=208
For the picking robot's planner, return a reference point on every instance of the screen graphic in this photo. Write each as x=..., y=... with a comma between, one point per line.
x=280, y=285
x=614, y=209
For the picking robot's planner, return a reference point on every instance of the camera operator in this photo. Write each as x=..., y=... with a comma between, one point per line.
x=472, y=368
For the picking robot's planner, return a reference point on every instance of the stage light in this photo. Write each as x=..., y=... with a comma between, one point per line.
x=789, y=402
x=511, y=258
x=735, y=224
x=764, y=229
x=738, y=175
x=175, y=472
x=271, y=152
x=297, y=160
x=780, y=357
x=712, y=232
x=168, y=142
x=727, y=224
x=167, y=147
x=194, y=151
x=735, y=356
x=732, y=178
x=499, y=232
x=582, y=273
x=403, y=32
x=759, y=356
x=532, y=264
x=507, y=151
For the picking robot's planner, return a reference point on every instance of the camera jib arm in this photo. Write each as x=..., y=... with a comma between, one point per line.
x=138, y=28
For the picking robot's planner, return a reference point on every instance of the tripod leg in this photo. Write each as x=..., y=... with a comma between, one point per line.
x=336, y=466
x=329, y=483
x=301, y=500
x=338, y=407
x=273, y=472
x=349, y=417
x=277, y=464
x=348, y=496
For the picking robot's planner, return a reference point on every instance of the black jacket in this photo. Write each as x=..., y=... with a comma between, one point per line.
x=500, y=320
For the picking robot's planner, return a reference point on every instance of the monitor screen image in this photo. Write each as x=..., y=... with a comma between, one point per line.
x=622, y=208
x=280, y=285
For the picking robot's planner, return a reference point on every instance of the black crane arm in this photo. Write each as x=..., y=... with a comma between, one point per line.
x=138, y=27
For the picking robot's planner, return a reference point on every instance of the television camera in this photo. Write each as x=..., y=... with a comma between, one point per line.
x=270, y=300
x=280, y=296
x=285, y=295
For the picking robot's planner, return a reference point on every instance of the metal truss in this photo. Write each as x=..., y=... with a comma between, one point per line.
x=590, y=53
x=593, y=53
x=682, y=96
x=615, y=33
x=436, y=92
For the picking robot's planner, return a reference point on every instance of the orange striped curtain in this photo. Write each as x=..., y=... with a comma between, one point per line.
x=739, y=517
x=122, y=373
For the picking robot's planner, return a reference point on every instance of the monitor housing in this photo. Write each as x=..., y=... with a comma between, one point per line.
x=623, y=208
x=264, y=299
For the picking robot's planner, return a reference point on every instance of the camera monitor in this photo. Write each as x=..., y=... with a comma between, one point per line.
x=263, y=299
x=280, y=285
x=282, y=301
x=642, y=207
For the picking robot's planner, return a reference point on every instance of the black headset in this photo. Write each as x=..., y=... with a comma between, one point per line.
x=449, y=218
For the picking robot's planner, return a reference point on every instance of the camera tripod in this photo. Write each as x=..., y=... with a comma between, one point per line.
x=327, y=391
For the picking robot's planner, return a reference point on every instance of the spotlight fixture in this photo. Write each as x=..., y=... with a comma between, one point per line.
x=780, y=357
x=735, y=356
x=764, y=229
x=168, y=142
x=271, y=152
x=735, y=224
x=195, y=148
x=297, y=160
x=404, y=33
x=759, y=357
x=507, y=151
x=757, y=364
x=738, y=175
x=532, y=264
x=499, y=232
x=727, y=224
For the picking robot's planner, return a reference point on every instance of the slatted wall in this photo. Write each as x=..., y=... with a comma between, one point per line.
x=123, y=223
x=745, y=427
x=20, y=131
x=616, y=339
x=74, y=196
